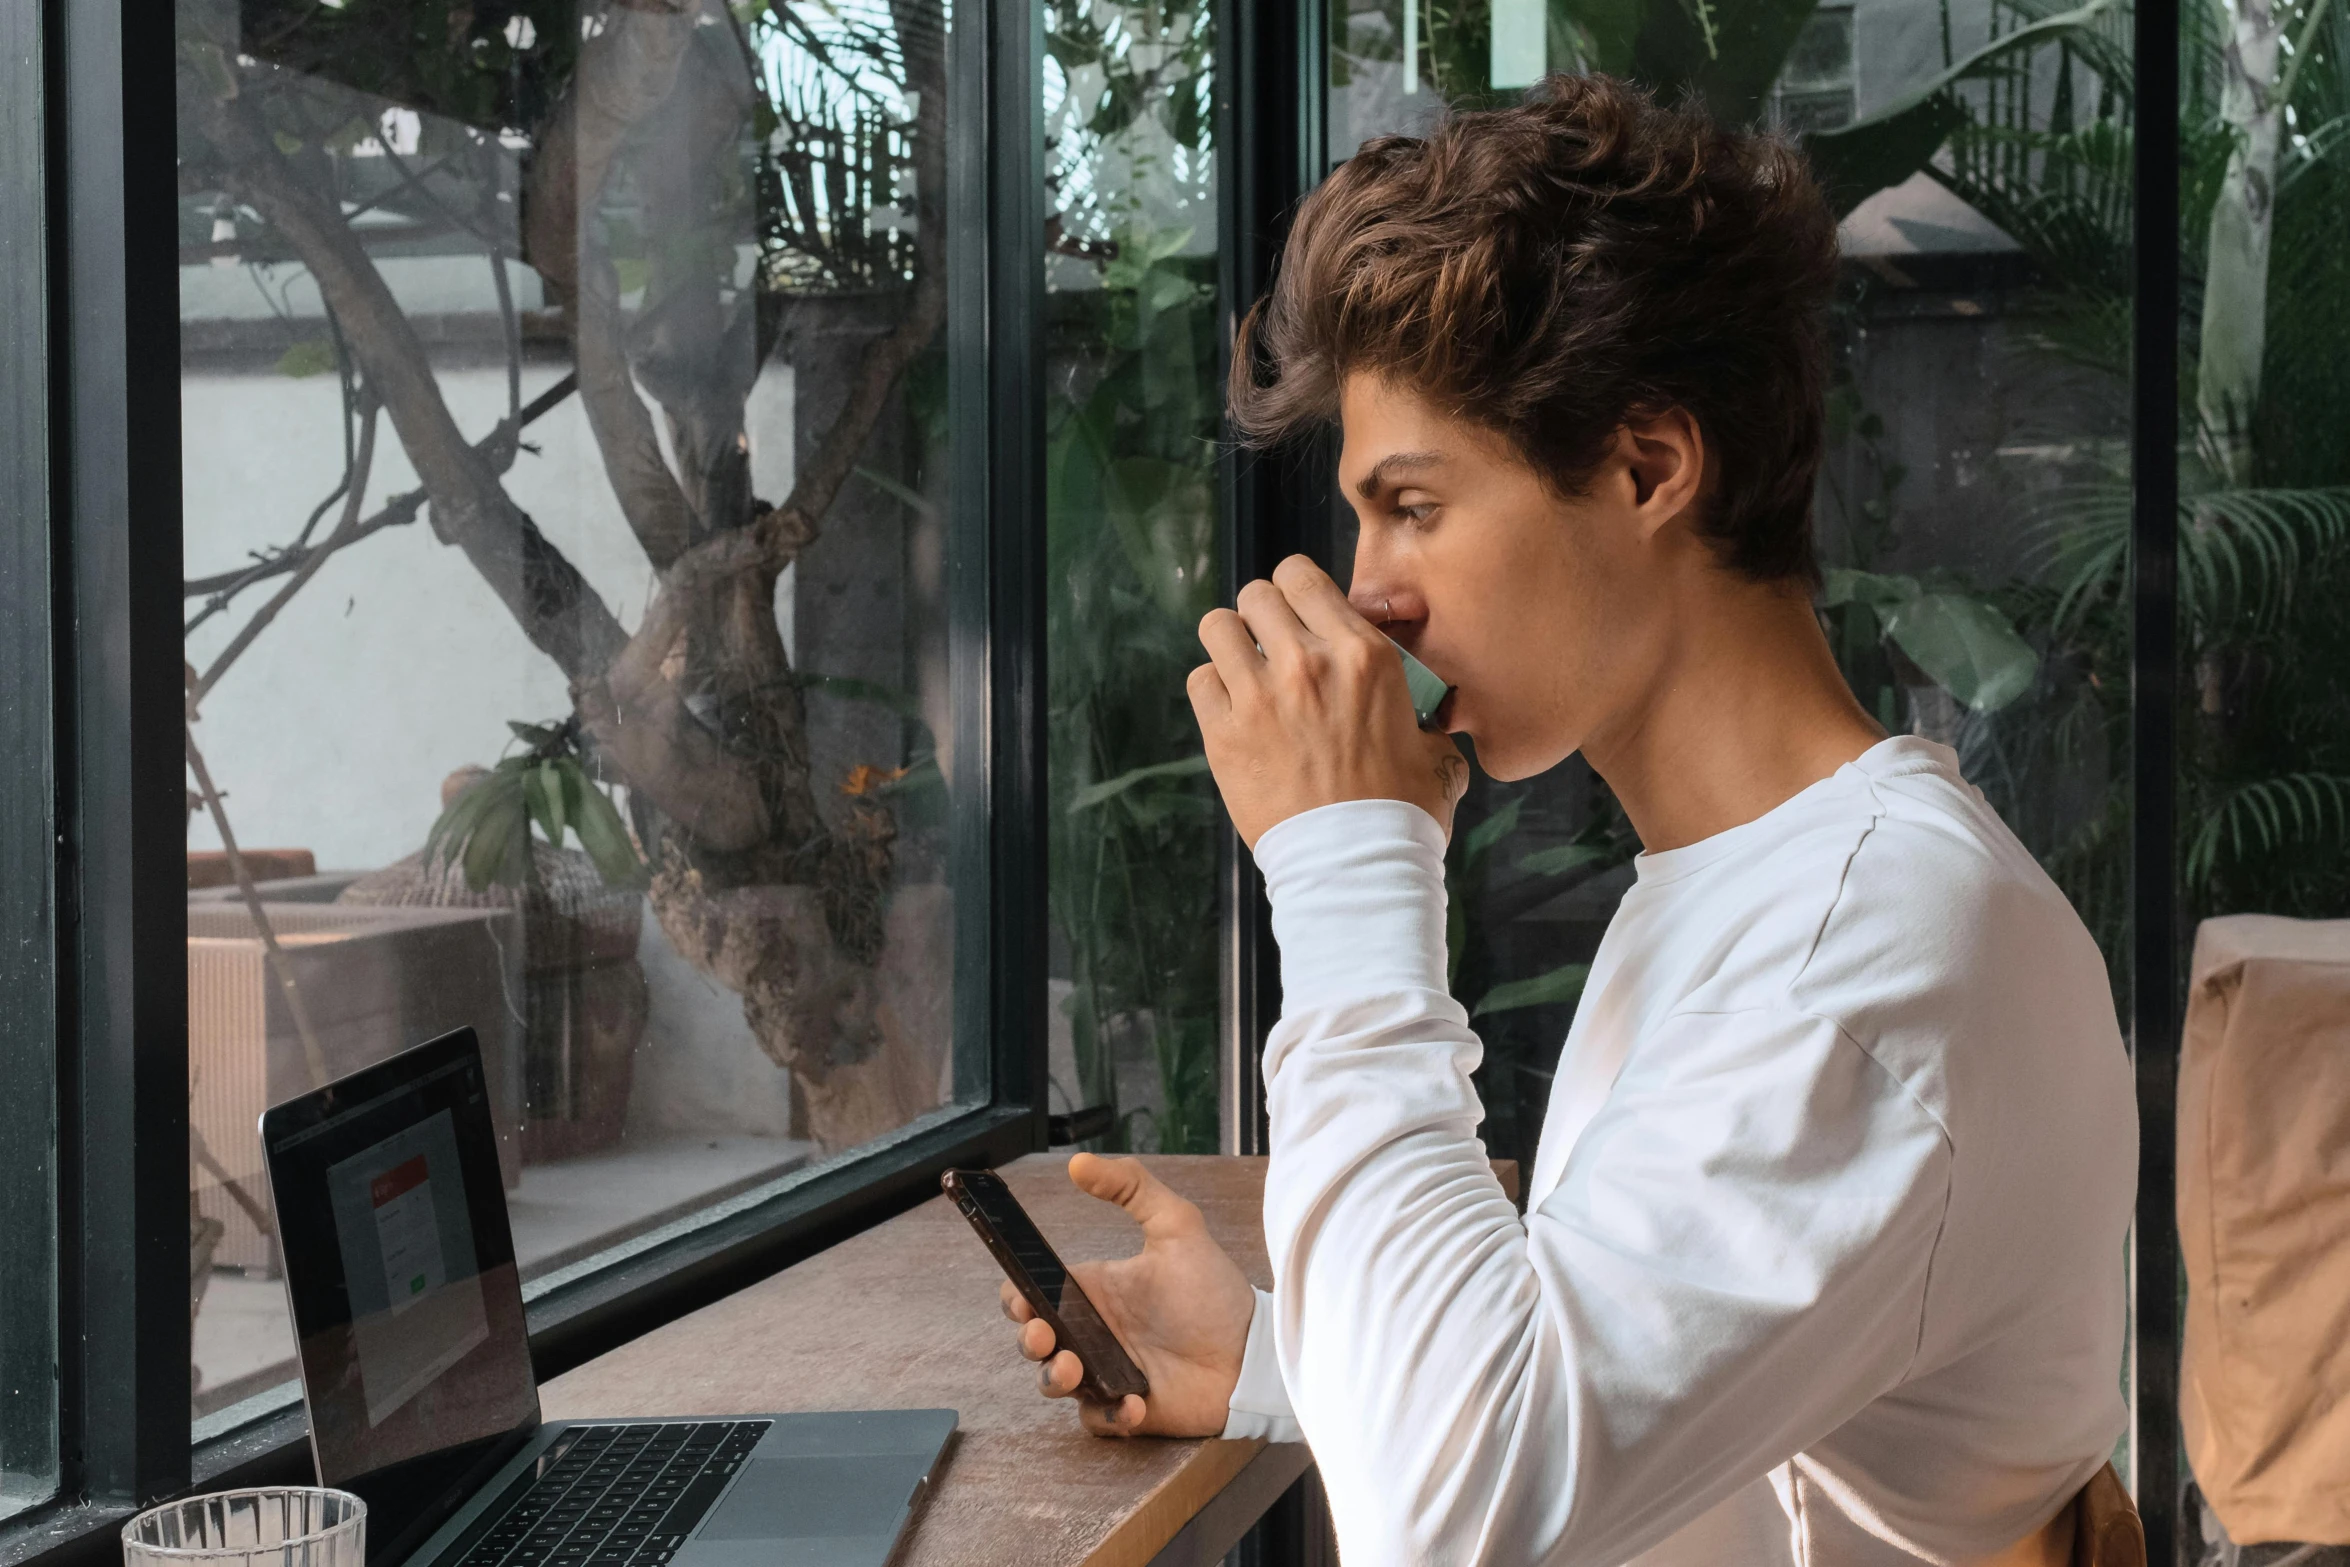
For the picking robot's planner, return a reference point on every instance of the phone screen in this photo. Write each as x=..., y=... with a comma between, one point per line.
x=1036, y=1269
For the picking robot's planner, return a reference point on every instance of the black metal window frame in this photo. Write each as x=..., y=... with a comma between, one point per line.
x=90, y=473
x=2156, y=989
x=28, y=1096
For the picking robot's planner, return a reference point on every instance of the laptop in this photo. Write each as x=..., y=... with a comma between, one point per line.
x=407, y=1308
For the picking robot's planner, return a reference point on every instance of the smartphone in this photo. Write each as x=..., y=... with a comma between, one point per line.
x=1427, y=686
x=1037, y=1273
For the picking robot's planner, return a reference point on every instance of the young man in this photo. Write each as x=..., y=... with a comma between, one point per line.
x=1821, y=1261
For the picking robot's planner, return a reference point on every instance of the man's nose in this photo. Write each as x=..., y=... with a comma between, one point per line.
x=1382, y=600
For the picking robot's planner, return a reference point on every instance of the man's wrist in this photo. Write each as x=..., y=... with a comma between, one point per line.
x=1259, y=1406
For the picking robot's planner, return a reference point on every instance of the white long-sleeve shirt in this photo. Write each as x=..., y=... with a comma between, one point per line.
x=1822, y=1259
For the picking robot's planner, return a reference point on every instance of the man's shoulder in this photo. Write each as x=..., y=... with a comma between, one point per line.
x=1902, y=880
x=1952, y=958
x=1938, y=893
x=1907, y=913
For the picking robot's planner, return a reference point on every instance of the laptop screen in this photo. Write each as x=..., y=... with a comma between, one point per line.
x=400, y=1266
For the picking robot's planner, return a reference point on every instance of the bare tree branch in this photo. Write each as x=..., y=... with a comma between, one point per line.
x=364, y=461
x=696, y=354
x=313, y=1053
x=210, y=1164
x=498, y=447
x=553, y=603
x=624, y=73
x=623, y=685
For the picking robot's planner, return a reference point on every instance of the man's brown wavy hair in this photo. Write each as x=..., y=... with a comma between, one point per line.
x=1552, y=270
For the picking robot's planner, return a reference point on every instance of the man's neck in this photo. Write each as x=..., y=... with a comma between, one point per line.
x=1746, y=710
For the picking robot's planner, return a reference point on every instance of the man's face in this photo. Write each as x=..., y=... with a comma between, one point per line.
x=1542, y=611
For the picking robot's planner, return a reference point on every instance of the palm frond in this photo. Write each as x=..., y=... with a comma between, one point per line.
x=2078, y=544
x=2268, y=816
x=2240, y=550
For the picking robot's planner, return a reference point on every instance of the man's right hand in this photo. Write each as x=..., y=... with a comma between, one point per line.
x=1181, y=1306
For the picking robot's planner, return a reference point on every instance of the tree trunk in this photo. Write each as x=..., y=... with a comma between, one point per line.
x=2235, y=287
x=696, y=710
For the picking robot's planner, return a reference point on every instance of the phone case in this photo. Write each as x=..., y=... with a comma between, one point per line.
x=1103, y=1384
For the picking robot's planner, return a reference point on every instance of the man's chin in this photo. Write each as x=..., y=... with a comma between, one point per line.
x=1512, y=759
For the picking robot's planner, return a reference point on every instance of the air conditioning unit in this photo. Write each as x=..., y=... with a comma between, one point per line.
x=374, y=981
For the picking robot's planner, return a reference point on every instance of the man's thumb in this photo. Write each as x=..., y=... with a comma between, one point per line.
x=1132, y=1187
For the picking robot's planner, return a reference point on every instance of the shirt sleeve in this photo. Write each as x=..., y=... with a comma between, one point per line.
x=1260, y=1400
x=1732, y=1265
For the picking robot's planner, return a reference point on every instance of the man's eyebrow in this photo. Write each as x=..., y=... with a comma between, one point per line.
x=1371, y=483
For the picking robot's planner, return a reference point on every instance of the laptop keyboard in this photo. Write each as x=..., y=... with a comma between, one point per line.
x=613, y=1496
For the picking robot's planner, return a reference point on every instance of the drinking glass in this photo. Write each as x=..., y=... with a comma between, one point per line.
x=277, y=1526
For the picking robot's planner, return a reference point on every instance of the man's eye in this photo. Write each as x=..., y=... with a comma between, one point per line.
x=1418, y=515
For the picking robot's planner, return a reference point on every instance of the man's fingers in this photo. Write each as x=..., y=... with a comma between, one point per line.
x=1036, y=1339
x=1015, y=1304
x=1271, y=618
x=1123, y=1418
x=1317, y=601
x=1226, y=637
x=1209, y=699
x=1143, y=1195
x=1059, y=1376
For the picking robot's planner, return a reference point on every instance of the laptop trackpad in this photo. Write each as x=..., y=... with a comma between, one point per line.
x=795, y=1498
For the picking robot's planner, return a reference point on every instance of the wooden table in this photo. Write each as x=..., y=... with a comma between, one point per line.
x=906, y=1316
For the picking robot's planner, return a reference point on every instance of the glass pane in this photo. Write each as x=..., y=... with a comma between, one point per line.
x=28, y=905
x=2264, y=759
x=2263, y=772
x=564, y=394
x=1974, y=499
x=28, y=1034
x=1133, y=410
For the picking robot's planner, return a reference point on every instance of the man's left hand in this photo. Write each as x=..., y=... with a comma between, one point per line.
x=1304, y=704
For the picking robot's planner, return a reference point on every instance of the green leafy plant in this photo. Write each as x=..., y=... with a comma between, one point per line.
x=2263, y=539
x=1131, y=560
x=487, y=829
x=1958, y=638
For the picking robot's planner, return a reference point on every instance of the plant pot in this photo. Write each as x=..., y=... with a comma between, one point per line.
x=584, y=1004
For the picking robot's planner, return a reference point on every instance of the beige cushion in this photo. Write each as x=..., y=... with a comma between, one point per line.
x=2264, y=1223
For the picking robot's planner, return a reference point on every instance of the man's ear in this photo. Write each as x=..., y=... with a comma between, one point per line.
x=1664, y=456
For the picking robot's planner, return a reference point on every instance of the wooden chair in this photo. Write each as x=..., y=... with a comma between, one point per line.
x=2106, y=1530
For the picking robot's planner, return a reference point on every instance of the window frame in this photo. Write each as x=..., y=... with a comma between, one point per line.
x=106, y=116
x=28, y=1097
x=1272, y=123
x=2158, y=1466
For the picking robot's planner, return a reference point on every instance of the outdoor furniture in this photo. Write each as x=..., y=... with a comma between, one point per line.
x=374, y=982
x=2264, y=1207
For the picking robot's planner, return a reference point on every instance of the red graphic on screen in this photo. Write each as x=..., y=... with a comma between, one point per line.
x=397, y=1179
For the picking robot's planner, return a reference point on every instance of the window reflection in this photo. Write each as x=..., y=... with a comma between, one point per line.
x=567, y=531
